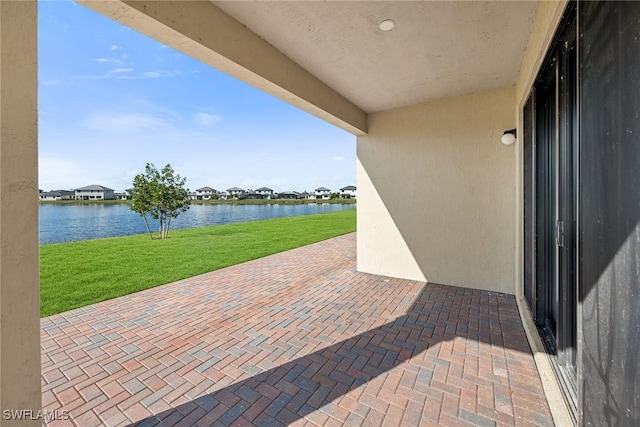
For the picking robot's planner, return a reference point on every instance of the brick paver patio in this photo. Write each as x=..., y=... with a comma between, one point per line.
x=296, y=338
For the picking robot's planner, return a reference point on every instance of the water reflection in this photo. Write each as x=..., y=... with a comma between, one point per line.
x=71, y=222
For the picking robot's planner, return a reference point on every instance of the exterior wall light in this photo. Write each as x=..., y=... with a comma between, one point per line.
x=509, y=137
x=387, y=25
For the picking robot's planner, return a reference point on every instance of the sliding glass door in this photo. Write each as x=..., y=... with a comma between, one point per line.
x=551, y=170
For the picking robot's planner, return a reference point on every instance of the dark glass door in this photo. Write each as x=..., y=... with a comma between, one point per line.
x=551, y=123
x=566, y=226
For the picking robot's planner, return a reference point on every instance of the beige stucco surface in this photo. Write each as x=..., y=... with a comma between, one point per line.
x=545, y=21
x=436, y=192
x=19, y=272
x=437, y=49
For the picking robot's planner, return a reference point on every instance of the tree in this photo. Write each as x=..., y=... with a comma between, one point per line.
x=160, y=194
x=141, y=198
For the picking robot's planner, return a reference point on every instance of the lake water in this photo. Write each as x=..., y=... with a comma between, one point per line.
x=71, y=222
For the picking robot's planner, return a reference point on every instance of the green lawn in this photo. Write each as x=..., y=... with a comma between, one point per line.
x=77, y=274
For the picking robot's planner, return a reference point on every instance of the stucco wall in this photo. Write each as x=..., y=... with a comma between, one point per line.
x=545, y=22
x=436, y=192
x=19, y=260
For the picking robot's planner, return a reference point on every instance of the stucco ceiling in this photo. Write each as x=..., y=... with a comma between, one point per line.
x=436, y=50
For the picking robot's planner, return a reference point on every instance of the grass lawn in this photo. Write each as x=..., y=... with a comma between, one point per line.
x=81, y=273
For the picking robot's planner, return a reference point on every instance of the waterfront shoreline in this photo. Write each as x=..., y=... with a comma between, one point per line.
x=211, y=202
x=65, y=222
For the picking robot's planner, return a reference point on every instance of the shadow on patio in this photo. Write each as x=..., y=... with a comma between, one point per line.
x=295, y=390
x=299, y=345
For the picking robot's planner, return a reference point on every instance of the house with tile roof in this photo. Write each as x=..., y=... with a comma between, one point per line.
x=94, y=192
x=266, y=193
x=57, y=195
x=348, y=192
x=235, y=192
x=322, y=193
x=289, y=195
x=203, y=193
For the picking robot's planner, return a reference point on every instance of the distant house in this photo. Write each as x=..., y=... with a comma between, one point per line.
x=57, y=195
x=322, y=193
x=267, y=193
x=67, y=194
x=289, y=195
x=50, y=195
x=94, y=192
x=348, y=192
x=204, y=193
x=252, y=195
x=223, y=195
x=235, y=192
x=126, y=195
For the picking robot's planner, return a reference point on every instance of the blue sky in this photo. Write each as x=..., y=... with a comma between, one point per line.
x=111, y=100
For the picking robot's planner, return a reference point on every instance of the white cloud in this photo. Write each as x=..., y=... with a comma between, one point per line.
x=55, y=82
x=124, y=73
x=206, y=119
x=151, y=108
x=151, y=75
x=64, y=172
x=114, y=47
x=144, y=124
x=103, y=60
x=125, y=123
x=337, y=158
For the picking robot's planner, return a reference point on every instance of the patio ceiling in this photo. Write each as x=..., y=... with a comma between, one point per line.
x=436, y=50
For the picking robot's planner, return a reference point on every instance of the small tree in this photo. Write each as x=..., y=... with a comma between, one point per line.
x=141, y=197
x=160, y=194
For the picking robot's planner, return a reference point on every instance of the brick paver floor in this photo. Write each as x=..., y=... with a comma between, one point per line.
x=296, y=338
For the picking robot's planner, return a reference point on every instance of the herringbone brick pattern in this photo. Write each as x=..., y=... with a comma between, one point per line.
x=298, y=338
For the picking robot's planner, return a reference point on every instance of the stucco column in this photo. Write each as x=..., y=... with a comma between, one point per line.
x=19, y=264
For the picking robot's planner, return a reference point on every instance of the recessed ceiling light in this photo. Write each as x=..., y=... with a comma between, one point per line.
x=387, y=25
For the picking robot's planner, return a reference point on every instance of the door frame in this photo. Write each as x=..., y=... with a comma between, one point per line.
x=536, y=300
